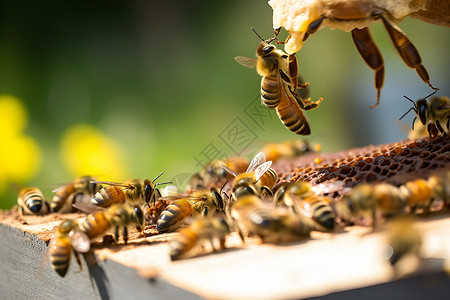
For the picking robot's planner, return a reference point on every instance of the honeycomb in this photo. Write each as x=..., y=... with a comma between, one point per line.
x=394, y=163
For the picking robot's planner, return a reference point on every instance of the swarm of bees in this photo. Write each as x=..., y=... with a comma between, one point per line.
x=251, y=204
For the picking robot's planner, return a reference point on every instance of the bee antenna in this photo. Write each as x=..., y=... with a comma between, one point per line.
x=411, y=100
x=406, y=113
x=431, y=94
x=161, y=183
x=257, y=34
x=158, y=176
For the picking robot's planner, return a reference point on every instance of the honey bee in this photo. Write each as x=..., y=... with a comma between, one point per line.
x=279, y=85
x=203, y=229
x=288, y=149
x=213, y=175
x=302, y=200
x=31, y=202
x=201, y=202
x=153, y=211
x=440, y=184
x=354, y=16
x=67, y=238
x=434, y=113
x=79, y=191
x=366, y=199
x=275, y=226
x=102, y=220
x=134, y=191
x=403, y=238
x=258, y=179
x=418, y=193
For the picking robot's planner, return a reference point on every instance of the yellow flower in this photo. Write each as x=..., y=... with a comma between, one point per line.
x=86, y=150
x=20, y=155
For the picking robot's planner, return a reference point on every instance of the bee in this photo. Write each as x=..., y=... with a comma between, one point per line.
x=434, y=113
x=403, y=239
x=134, y=191
x=279, y=85
x=288, y=149
x=247, y=188
x=153, y=212
x=203, y=229
x=67, y=238
x=418, y=193
x=275, y=226
x=79, y=191
x=201, y=202
x=102, y=220
x=302, y=200
x=366, y=199
x=354, y=16
x=213, y=175
x=440, y=184
x=258, y=179
x=31, y=202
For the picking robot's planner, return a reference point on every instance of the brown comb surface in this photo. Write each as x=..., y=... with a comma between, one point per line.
x=394, y=163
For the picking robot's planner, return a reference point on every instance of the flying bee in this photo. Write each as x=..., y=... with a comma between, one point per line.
x=134, y=192
x=259, y=178
x=434, y=113
x=201, y=202
x=307, y=17
x=213, y=175
x=67, y=238
x=102, y=220
x=279, y=84
x=288, y=149
x=404, y=239
x=203, y=229
x=275, y=226
x=79, y=191
x=366, y=199
x=31, y=202
x=302, y=200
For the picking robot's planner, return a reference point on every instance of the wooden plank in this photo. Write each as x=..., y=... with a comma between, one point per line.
x=325, y=264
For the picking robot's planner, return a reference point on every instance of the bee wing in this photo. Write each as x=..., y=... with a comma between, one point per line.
x=187, y=197
x=246, y=61
x=45, y=258
x=259, y=159
x=304, y=208
x=289, y=109
x=59, y=186
x=232, y=172
x=88, y=208
x=327, y=187
x=125, y=185
x=80, y=241
x=262, y=169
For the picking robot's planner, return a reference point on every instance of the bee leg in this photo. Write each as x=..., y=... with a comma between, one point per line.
x=77, y=257
x=313, y=27
x=125, y=234
x=371, y=55
x=374, y=218
x=311, y=104
x=432, y=130
x=407, y=50
x=439, y=127
x=116, y=235
x=205, y=211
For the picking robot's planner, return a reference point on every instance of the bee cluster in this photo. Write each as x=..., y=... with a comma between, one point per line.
x=252, y=199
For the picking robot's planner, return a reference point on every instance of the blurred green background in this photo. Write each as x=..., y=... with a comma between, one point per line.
x=127, y=89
